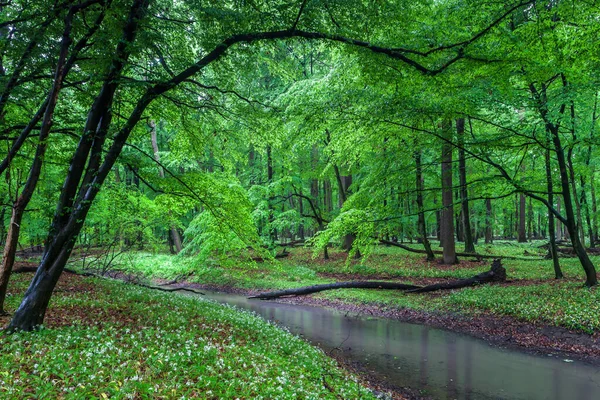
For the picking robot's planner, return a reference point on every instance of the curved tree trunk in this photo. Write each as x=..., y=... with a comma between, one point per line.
x=79, y=190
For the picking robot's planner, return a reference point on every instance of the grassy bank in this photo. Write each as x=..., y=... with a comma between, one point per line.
x=531, y=295
x=113, y=340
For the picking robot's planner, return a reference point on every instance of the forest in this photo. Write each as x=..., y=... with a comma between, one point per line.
x=422, y=162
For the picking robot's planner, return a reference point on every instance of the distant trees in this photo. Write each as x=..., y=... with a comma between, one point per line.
x=259, y=140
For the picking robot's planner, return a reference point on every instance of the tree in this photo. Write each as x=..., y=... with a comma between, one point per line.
x=120, y=91
x=447, y=235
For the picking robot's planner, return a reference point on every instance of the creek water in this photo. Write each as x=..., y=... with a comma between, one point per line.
x=440, y=364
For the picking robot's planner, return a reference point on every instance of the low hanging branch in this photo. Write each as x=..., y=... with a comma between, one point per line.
x=474, y=255
x=29, y=269
x=497, y=273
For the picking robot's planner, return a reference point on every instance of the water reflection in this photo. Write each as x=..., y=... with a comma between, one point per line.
x=442, y=364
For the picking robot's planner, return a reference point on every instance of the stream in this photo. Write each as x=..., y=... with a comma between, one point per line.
x=440, y=364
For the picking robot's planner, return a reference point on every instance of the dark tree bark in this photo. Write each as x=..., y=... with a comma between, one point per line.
x=344, y=183
x=464, y=197
x=522, y=231
x=330, y=286
x=552, y=235
x=69, y=220
x=272, y=231
x=489, y=229
x=570, y=220
x=582, y=178
x=421, y=213
x=20, y=204
x=497, y=273
x=447, y=234
x=594, y=208
x=93, y=160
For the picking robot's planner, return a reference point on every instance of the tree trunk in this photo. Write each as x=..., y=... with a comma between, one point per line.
x=563, y=165
x=552, y=248
x=447, y=234
x=594, y=208
x=586, y=210
x=559, y=225
x=77, y=195
x=175, y=236
x=344, y=182
x=10, y=249
x=272, y=231
x=497, y=273
x=24, y=198
x=489, y=230
x=330, y=286
x=421, y=217
x=464, y=197
x=522, y=232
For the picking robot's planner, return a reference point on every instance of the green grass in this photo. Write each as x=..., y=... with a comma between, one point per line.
x=539, y=298
x=113, y=340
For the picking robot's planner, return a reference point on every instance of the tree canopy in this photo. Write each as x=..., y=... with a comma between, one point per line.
x=213, y=127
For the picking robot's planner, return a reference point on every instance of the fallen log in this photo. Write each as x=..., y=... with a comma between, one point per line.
x=497, y=273
x=474, y=255
x=330, y=286
x=570, y=251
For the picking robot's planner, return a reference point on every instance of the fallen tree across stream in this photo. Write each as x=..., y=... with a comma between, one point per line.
x=497, y=273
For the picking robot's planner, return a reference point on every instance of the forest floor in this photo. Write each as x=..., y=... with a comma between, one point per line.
x=108, y=339
x=531, y=310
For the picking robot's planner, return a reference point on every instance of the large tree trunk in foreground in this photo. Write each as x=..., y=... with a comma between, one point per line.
x=586, y=263
x=497, y=273
x=83, y=183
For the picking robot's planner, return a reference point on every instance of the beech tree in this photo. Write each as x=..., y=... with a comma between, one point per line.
x=134, y=61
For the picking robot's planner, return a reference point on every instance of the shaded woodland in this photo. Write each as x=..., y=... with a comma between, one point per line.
x=210, y=129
